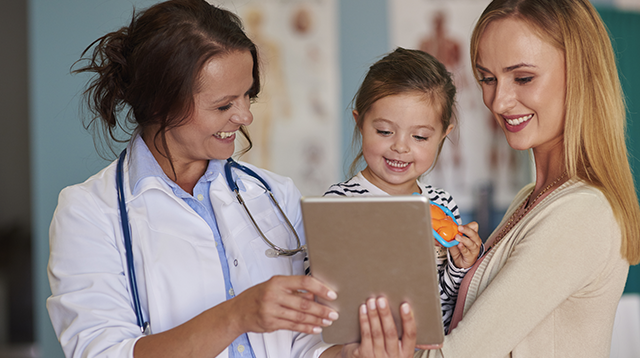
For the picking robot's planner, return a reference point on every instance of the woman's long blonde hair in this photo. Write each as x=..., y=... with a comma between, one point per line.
x=595, y=114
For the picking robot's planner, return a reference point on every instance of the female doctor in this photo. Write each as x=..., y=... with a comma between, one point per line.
x=157, y=255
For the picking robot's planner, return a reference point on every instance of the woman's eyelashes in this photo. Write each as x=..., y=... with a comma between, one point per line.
x=225, y=107
x=524, y=80
x=487, y=80
x=228, y=106
x=518, y=80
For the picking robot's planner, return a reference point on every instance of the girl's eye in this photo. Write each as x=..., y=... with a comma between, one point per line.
x=488, y=80
x=384, y=133
x=523, y=80
x=226, y=107
x=420, y=138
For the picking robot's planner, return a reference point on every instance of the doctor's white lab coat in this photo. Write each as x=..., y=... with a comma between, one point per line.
x=177, y=266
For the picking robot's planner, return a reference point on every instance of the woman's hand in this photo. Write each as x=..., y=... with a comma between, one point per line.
x=379, y=336
x=465, y=254
x=283, y=302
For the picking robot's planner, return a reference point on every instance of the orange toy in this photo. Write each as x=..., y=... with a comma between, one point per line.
x=445, y=228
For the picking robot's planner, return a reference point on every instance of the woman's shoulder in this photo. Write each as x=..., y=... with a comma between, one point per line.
x=577, y=193
x=581, y=209
x=99, y=184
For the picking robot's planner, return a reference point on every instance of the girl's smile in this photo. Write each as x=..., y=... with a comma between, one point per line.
x=401, y=135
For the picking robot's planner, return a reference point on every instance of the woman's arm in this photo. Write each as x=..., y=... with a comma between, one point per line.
x=563, y=249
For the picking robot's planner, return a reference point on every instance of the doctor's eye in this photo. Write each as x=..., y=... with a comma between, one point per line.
x=225, y=107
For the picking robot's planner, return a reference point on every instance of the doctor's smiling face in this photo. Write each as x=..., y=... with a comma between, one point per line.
x=222, y=101
x=523, y=84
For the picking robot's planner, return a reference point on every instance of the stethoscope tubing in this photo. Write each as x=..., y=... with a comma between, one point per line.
x=126, y=231
x=273, y=252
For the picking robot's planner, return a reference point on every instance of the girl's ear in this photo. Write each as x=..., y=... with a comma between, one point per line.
x=449, y=129
x=355, y=118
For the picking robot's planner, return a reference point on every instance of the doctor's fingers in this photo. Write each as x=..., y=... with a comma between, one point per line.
x=301, y=309
x=304, y=284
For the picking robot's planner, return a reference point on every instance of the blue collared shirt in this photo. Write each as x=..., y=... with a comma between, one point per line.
x=144, y=165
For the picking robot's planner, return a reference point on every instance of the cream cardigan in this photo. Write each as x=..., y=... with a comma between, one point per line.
x=550, y=287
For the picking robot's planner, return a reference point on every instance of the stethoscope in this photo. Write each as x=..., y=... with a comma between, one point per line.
x=273, y=252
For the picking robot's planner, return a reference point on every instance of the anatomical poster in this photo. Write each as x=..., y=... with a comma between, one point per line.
x=296, y=129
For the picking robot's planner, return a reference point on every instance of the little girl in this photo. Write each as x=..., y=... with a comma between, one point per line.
x=403, y=113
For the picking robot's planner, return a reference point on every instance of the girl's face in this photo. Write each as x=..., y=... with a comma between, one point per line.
x=523, y=84
x=400, y=139
x=221, y=107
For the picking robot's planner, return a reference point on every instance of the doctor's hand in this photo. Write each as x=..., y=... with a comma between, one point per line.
x=379, y=335
x=283, y=302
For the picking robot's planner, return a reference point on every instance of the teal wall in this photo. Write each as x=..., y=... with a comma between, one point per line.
x=625, y=35
x=62, y=152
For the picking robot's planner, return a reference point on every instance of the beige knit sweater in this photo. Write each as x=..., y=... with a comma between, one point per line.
x=550, y=287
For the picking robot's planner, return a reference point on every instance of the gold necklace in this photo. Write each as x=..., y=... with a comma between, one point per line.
x=524, y=209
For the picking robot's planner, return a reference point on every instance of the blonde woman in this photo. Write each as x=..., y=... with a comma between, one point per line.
x=557, y=264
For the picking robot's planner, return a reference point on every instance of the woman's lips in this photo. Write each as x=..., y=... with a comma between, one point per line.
x=224, y=135
x=516, y=123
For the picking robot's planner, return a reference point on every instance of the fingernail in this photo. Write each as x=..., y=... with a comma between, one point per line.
x=405, y=308
x=372, y=304
x=382, y=303
x=333, y=315
x=317, y=330
x=363, y=309
x=326, y=322
x=332, y=295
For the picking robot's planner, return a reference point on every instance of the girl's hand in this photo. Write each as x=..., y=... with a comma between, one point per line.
x=379, y=336
x=283, y=302
x=465, y=254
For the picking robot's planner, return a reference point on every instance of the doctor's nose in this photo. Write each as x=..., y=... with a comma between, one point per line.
x=243, y=113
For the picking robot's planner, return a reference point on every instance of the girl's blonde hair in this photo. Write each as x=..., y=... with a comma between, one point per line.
x=594, y=131
x=404, y=71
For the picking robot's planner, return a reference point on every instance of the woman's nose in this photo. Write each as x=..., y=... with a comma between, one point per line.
x=503, y=98
x=243, y=113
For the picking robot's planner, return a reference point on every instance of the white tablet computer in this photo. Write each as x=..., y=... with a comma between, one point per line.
x=364, y=247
